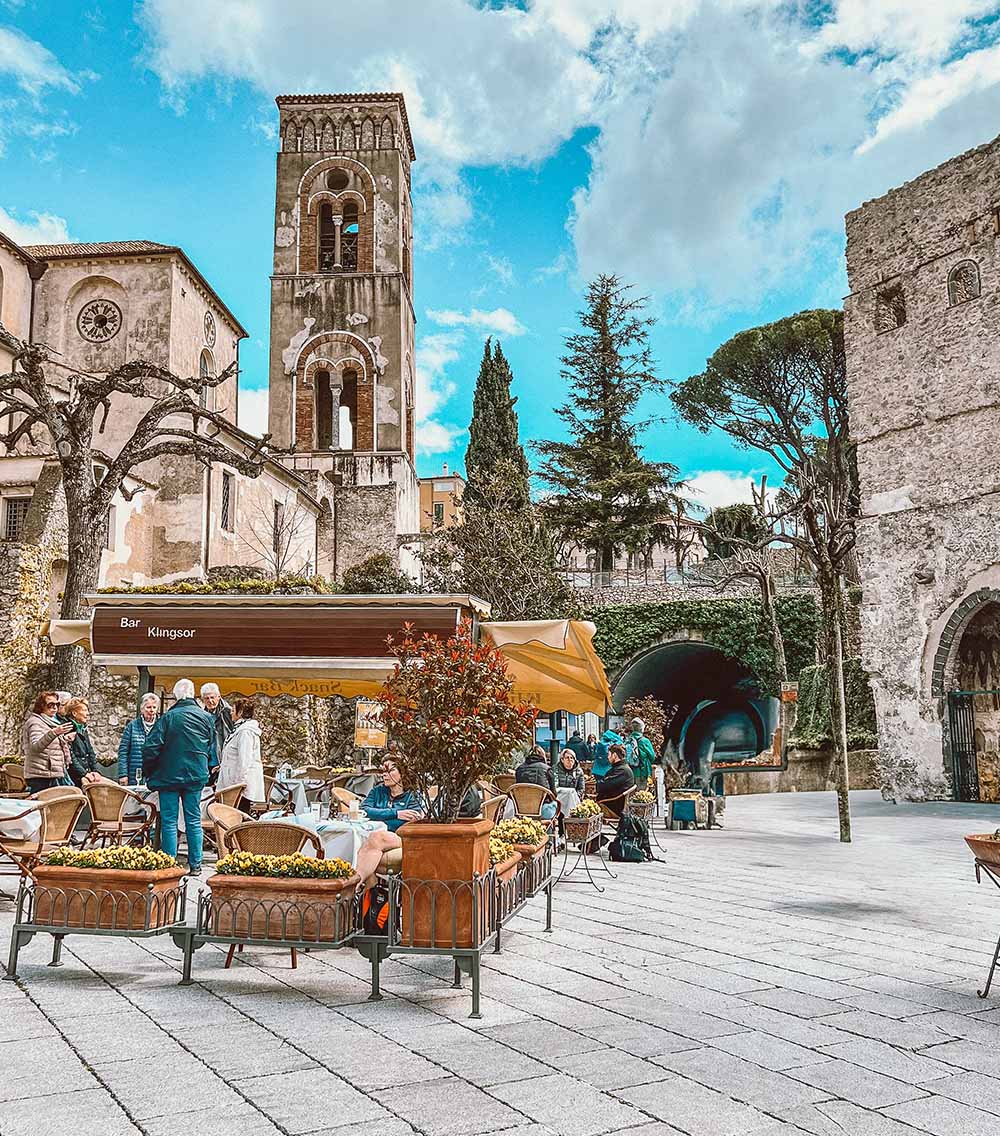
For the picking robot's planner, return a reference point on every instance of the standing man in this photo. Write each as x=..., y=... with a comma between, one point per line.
x=641, y=755
x=176, y=760
x=221, y=711
x=579, y=747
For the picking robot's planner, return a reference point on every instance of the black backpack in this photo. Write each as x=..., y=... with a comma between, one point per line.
x=631, y=842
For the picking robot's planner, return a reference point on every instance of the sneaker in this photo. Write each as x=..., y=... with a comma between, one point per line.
x=194, y=871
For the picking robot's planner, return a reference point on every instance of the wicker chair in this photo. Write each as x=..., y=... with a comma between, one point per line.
x=14, y=782
x=58, y=818
x=56, y=792
x=528, y=800
x=270, y=838
x=493, y=808
x=231, y=795
x=108, y=821
x=611, y=816
x=342, y=798
x=314, y=772
x=277, y=797
x=504, y=781
x=224, y=818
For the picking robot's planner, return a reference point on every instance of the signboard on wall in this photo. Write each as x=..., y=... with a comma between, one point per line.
x=369, y=729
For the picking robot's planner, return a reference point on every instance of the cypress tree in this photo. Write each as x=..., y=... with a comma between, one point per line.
x=606, y=495
x=493, y=431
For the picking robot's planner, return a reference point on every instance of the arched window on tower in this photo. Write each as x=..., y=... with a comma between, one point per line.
x=324, y=410
x=348, y=409
x=963, y=282
x=206, y=370
x=327, y=238
x=291, y=139
x=349, y=238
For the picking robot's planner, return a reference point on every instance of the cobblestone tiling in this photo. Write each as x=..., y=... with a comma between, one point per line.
x=762, y=980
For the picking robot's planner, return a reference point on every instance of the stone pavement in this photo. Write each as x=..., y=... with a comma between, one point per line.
x=764, y=979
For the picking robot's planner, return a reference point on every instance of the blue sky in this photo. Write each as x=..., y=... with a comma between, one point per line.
x=704, y=149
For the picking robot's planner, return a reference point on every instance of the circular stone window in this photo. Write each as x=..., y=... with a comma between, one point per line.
x=99, y=321
x=210, y=329
x=337, y=180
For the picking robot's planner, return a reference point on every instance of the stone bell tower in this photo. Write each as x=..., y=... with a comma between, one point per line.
x=341, y=388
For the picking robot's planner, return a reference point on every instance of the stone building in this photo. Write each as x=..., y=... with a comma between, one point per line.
x=342, y=370
x=923, y=353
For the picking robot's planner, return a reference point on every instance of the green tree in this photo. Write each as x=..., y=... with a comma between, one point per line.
x=493, y=431
x=782, y=389
x=606, y=496
x=377, y=576
x=731, y=526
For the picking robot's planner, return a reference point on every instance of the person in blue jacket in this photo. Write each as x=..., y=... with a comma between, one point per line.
x=134, y=738
x=177, y=759
x=602, y=766
x=390, y=801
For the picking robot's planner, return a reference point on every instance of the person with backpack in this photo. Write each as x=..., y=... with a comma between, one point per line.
x=602, y=765
x=639, y=753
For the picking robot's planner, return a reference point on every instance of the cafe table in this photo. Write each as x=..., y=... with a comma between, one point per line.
x=341, y=837
x=568, y=798
x=26, y=827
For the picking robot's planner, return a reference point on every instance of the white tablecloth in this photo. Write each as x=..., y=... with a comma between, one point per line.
x=297, y=787
x=23, y=829
x=568, y=798
x=340, y=838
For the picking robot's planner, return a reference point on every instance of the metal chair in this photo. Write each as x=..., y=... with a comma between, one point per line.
x=57, y=817
x=269, y=838
x=224, y=818
x=109, y=822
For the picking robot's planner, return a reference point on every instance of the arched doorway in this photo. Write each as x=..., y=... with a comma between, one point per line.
x=974, y=708
x=715, y=708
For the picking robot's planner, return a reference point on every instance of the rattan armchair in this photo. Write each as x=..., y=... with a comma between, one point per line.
x=231, y=795
x=277, y=797
x=493, y=808
x=272, y=838
x=342, y=799
x=504, y=781
x=223, y=819
x=111, y=819
x=14, y=784
x=57, y=817
x=528, y=800
x=57, y=791
x=612, y=808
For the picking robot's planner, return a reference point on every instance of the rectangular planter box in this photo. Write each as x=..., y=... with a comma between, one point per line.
x=105, y=899
x=279, y=909
x=439, y=862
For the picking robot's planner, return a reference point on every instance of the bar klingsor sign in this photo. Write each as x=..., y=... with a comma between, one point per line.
x=265, y=632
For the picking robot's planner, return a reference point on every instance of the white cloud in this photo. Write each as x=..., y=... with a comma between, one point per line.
x=922, y=29
x=502, y=268
x=41, y=229
x=252, y=410
x=714, y=488
x=32, y=66
x=500, y=321
x=435, y=353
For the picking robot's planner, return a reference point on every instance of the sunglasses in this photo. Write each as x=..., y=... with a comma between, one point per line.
x=51, y=705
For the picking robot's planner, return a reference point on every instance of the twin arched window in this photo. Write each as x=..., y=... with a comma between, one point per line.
x=338, y=252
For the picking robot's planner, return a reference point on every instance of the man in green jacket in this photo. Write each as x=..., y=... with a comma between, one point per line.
x=177, y=759
x=640, y=753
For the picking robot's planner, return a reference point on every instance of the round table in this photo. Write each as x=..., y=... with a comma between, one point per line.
x=341, y=838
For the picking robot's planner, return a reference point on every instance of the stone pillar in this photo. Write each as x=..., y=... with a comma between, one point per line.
x=337, y=223
x=335, y=389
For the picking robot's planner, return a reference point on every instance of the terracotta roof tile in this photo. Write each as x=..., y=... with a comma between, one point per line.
x=101, y=248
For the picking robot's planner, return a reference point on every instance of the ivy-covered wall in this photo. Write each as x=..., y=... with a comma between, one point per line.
x=735, y=626
x=812, y=725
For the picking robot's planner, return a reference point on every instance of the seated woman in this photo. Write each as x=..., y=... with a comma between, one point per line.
x=395, y=805
x=535, y=770
x=569, y=774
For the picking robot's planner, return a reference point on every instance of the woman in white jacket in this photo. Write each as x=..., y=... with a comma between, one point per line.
x=241, y=755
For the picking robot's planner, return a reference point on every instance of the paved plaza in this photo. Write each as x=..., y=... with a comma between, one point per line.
x=763, y=979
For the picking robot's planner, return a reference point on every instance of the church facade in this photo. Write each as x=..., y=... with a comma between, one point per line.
x=340, y=483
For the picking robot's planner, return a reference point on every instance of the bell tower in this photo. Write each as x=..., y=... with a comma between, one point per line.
x=341, y=384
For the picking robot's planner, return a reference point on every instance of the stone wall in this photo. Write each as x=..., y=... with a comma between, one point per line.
x=923, y=350
x=809, y=771
x=622, y=596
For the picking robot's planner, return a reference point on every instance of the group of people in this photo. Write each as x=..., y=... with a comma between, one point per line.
x=176, y=754
x=617, y=764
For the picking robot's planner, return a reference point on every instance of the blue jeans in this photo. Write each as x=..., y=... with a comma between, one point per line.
x=190, y=800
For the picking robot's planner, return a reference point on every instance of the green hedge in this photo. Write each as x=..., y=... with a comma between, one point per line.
x=735, y=626
x=812, y=725
x=223, y=586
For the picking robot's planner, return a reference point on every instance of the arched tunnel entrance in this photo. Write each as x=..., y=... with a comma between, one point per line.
x=715, y=709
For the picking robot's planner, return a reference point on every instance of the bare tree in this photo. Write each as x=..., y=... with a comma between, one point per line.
x=277, y=536
x=96, y=461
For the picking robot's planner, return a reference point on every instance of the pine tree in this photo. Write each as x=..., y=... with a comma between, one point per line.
x=606, y=495
x=493, y=431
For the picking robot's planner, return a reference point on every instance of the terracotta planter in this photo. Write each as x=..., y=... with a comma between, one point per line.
x=106, y=899
x=436, y=857
x=530, y=852
x=985, y=848
x=506, y=872
x=268, y=907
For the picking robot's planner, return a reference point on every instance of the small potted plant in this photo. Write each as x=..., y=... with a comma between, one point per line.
x=528, y=836
x=450, y=706
x=282, y=897
x=583, y=823
x=118, y=888
x=641, y=803
x=986, y=847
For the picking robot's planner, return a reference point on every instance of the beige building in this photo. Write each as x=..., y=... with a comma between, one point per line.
x=441, y=501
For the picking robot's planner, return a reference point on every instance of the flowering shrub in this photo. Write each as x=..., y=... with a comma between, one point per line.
x=449, y=704
x=500, y=850
x=520, y=830
x=642, y=797
x=297, y=867
x=585, y=809
x=118, y=859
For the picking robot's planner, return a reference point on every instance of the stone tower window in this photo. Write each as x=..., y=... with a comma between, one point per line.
x=324, y=411
x=290, y=140
x=327, y=238
x=348, y=409
x=349, y=238
x=337, y=180
x=206, y=370
x=963, y=282
x=890, y=308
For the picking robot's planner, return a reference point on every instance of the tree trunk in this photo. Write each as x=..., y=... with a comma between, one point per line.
x=830, y=593
x=86, y=542
x=771, y=618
